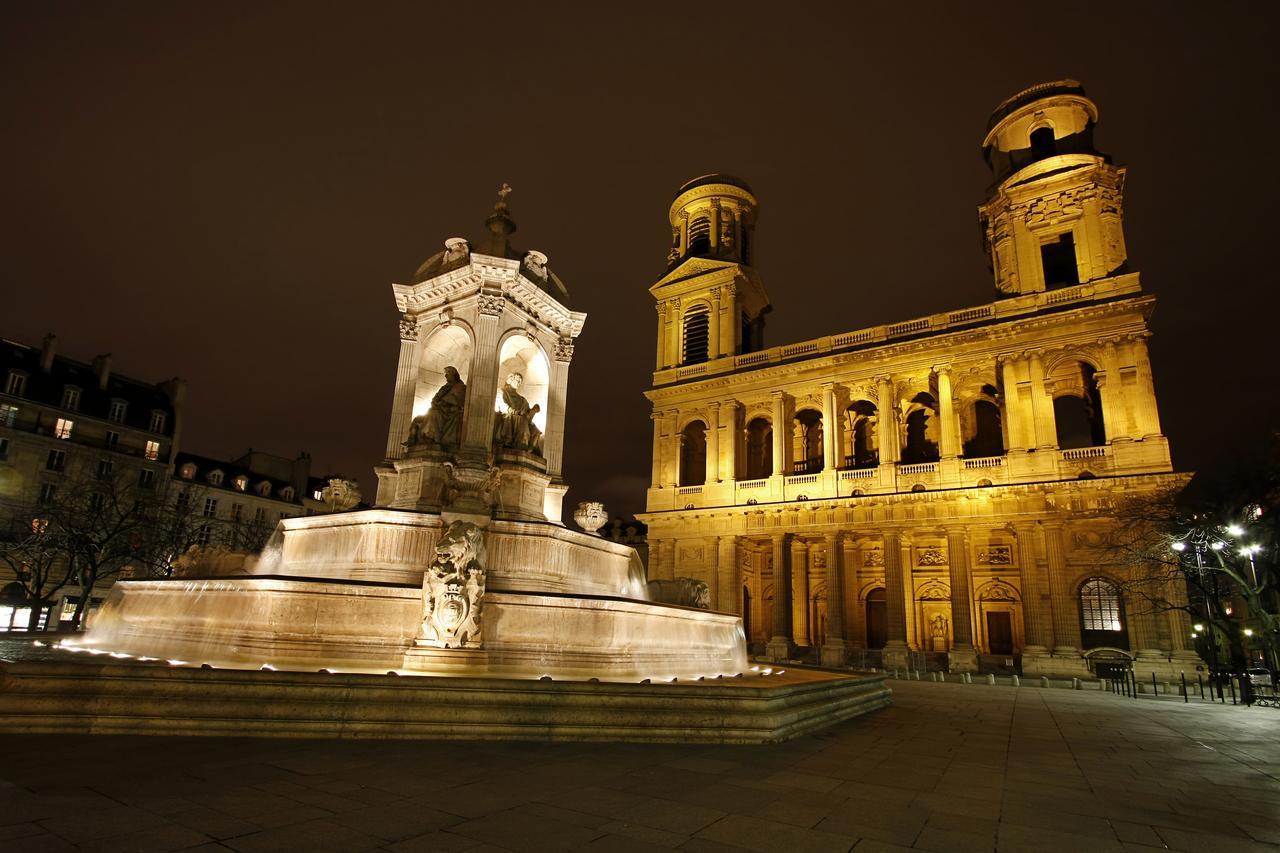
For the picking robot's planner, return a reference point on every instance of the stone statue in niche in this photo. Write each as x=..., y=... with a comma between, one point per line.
x=441, y=425
x=938, y=632
x=453, y=589
x=514, y=428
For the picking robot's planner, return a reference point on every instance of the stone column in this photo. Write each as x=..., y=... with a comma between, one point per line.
x=656, y=480
x=780, y=433
x=801, y=630
x=729, y=582
x=711, y=547
x=672, y=466
x=729, y=453
x=1109, y=389
x=830, y=429
x=713, y=443
x=834, y=647
x=406, y=385
x=1014, y=416
x=1042, y=406
x=887, y=421
x=1148, y=412
x=662, y=336
x=950, y=444
x=1066, y=621
x=963, y=656
x=674, y=330
x=1034, y=618
x=715, y=227
x=482, y=388
x=557, y=398
x=779, y=646
x=729, y=298
x=895, y=648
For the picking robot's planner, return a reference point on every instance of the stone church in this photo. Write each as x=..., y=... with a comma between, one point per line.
x=937, y=491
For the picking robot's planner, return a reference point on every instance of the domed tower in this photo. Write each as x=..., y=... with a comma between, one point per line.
x=711, y=303
x=1054, y=216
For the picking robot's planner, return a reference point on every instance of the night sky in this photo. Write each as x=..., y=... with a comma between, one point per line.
x=225, y=191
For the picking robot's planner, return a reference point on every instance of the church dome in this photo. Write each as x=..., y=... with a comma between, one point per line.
x=714, y=178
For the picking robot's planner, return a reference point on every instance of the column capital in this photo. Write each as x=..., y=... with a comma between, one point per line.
x=779, y=538
x=833, y=537
x=942, y=369
x=828, y=386
x=491, y=304
x=777, y=394
x=714, y=405
x=409, y=327
x=564, y=349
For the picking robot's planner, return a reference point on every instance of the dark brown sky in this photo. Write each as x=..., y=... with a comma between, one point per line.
x=225, y=192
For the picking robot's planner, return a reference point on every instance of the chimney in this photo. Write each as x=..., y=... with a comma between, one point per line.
x=47, y=351
x=102, y=366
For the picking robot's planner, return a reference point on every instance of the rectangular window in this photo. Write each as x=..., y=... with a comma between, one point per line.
x=56, y=460
x=116, y=415
x=210, y=507
x=47, y=492
x=105, y=467
x=62, y=428
x=184, y=498
x=113, y=439
x=317, y=495
x=157, y=421
x=204, y=534
x=153, y=450
x=237, y=510
x=146, y=478
x=8, y=414
x=1059, y=260
x=71, y=398
x=259, y=515
x=16, y=384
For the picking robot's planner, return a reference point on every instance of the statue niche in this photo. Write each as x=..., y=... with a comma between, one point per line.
x=514, y=427
x=441, y=425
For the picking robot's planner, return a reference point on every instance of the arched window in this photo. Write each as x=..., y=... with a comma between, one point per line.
x=187, y=471
x=921, y=443
x=1102, y=615
x=759, y=454
x=877, y=619
x=1042, y=143
x=264, y=489
x=215, y=478
x=286, y=493
x=693, y=454
x=1078, y=413
x=861, y=435
x=700, y=236
x=697, y=335
x=988, y=437
x=806, y=442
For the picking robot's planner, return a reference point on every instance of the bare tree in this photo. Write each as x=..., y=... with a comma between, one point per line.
x=35, y=556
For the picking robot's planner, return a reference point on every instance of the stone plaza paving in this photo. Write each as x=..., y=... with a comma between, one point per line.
x=949, y=767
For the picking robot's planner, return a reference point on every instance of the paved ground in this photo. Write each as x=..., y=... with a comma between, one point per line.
x=950, y=767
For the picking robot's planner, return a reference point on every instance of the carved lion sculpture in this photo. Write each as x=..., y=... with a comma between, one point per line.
x=688, y=592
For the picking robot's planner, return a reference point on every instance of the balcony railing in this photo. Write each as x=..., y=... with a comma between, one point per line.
x=918, y=468
x=689, y=490
x=985, y=462
x=806, y=466
x=1077, y=453
x=858, y=474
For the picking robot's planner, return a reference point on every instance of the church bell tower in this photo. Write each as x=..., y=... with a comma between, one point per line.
x=1054, y=216
x=711, y=303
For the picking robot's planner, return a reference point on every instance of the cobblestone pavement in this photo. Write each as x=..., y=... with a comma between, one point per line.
x=950, y=768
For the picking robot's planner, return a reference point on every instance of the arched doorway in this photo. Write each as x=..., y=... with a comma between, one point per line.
x=759, y=449
x=877, y=619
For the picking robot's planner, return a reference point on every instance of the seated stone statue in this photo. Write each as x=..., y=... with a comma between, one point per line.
x=515, y=428
x=441, y=426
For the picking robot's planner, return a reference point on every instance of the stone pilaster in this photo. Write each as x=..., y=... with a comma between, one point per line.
x=895, y=649
x=482, y=383
x=781, y=432
x=657, y=417
x=1066, y=621
x=729, y=452
x=834, y=647
x=963, y=656
x=830, y=429
x=729, y=568
x=779, y=646
x=801, y=630
x=557, y=398
x=406, y=383
x=1036, y=621
x=713, y=443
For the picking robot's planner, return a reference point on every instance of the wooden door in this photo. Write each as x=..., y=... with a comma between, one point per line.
x=1000, y=632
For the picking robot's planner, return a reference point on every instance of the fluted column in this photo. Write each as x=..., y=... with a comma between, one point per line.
x=729, y=299
x=830, y=429
x=729, y=453
x=657, y=417
x=674, y=329
x=1015, y=417
x=963, y=656
x=801, y=631
x=781, y=431
x=482, y=387
x=729, y=582
x=713, y=443
x=662, y=337
x=1109, y=389
x=406, y=382
x=671, y=467
x=1042, y=406
x=557, y=401
x=887, y=421
x=950, y=445
x=1066, y=621
x=779, y=646
x=1036, y=627
x=834, y=646
x=895, y=649
x=1147, y=408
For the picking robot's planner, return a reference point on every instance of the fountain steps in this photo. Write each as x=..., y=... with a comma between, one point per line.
x=114, y=698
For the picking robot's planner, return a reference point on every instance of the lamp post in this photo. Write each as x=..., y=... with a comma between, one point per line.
x=1198, y=542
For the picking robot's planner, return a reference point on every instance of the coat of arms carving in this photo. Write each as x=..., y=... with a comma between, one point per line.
x=453, y=589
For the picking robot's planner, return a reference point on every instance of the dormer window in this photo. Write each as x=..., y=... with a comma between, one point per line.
x=62, y=428
x=16, y=383
x=241, y=483
x=215, y=478
x=157, y=422
x=71, y=398
x=116, y=413
x=264, y=489
x=187, y=472
x=286, y=493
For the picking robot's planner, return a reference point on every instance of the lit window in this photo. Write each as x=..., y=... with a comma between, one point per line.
x=264, y=489
x=47, y=492
x=210, y=507
x=118, y=408
x=71, y=398
x=146, y=478
x=39, y=526
x=1100, y=606
x=104, y=468
x=188, y=471
x=153, y=450
x=215, y=478
x=157, y=421
x=113, y=439
x=16, y=384
x=56, y=460
x=8, y=414
x=62, y=428
x=241, y=483
x=317, y=495
x=68, y=611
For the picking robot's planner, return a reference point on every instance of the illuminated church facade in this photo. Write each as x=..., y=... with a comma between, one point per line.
x=940, y=485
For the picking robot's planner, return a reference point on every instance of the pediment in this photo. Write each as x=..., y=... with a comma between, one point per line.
x=692, y=267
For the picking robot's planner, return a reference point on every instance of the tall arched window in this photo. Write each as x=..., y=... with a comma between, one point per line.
x=1102, y=615
x=759, y=456
x=921, y=444
x=693, y=454
x=700, y=236
x=697, y=335
x=1042, y=143
x=861, y=436
x=988, y=437
x=1078, y=413
x=807, y=442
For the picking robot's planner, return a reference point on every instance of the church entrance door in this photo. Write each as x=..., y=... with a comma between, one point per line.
x=877, y=621
x=1000, y=632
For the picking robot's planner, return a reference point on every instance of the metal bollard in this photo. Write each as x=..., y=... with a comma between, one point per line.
x=1044, y=681
x=1016, y=682
x=1183, y=675
x=991, y=679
